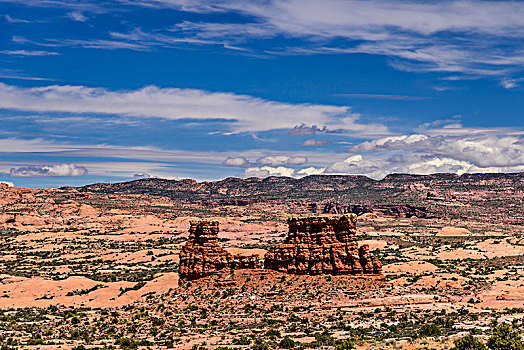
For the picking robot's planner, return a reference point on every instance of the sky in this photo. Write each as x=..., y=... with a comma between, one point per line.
x=107, y=91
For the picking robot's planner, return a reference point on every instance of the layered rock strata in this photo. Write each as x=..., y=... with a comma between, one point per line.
x=202, y=255
x=322, y=245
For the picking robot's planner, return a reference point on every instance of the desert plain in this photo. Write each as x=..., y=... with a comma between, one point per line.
x=97, y=267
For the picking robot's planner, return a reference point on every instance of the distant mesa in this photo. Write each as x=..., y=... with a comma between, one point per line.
x=202, y=256
x=322, y=245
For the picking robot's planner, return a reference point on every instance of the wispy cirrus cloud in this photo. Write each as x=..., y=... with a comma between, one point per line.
x=472, y=37
x=480, y=38
x=385, y=97
x=10, y=19
x=29, y=53
x=77, y=16
x=238, y=113
x=313, y=142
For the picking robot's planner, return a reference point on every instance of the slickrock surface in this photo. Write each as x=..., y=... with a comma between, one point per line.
x=322, y=245
x=202, y=255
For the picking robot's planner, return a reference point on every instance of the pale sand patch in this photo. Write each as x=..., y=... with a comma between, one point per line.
x=443, y=281
x=453, y=231
x=133, y=257
x=390, y=301
x=39, y=236
x=412, y=267
x=25, y=292
x=418, y=253
x=460, y=253
x=131, y=237
x=503, y=248
x=503, y=294
x=373, y=243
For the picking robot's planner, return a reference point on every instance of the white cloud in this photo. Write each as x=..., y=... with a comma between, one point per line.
x=271, y=161
x=303, y=129
x=281, y=160
x=141, y=176
x=15, y=20
x=510, y=83
x=29, y=53
x=475, y=37
x=313, y=142
x=379, y=166
x=478, y=149
x=310, y=171
x=51, y=170
x=10, y=184
x=77, y=16
x=465, y=36
x=266, y=171
x=240, y=162
x=240, y=112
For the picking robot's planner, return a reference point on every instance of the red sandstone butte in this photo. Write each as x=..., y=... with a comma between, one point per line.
x=202, y=255
x=322, y=245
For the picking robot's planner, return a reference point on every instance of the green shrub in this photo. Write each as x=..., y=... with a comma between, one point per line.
x=468, y=342
x=429, y=330
x=287, y=343
x=506, y=337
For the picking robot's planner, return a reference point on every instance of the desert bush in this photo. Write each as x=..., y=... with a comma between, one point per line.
x=469, y=342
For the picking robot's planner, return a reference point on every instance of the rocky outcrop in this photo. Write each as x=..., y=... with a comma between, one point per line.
x=202, y=255
x=391, y=210
x=322, y=245
x=369, y=262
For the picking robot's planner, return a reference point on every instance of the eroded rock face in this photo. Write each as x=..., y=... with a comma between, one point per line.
x=202, y=255
x=369, y=262
x=322, y=245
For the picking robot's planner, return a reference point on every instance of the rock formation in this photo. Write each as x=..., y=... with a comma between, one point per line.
x=202, y=255
x=322, y=245
x=391, y=210
x=369, y=262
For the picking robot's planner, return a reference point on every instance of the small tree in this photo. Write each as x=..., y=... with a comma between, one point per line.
x=505, y=337
x=429, y=330
x=287, y=343
x=468, y=342
x=345, y=345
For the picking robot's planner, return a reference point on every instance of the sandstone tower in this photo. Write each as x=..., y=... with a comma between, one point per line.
x=202, y=255
x=322, y=245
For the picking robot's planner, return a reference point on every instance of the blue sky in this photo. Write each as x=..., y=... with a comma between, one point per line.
x=115, y=90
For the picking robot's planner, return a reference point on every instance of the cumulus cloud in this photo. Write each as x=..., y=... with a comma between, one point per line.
x=51, y=170
x=478, y=149
x=313, y=142
x=240, y=162
x=303, y=129
x=10, y=184
x=272, y=161
x=377, y=167
x=281, y=160
x=266, y=171
x=310, y=171
x=141, y=176
x=239, y=112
